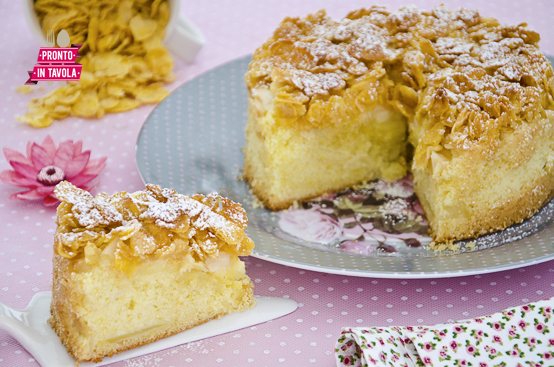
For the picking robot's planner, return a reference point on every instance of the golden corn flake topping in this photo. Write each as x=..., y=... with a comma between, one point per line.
x=124, y=62
x=463, y=76
x=146, y=224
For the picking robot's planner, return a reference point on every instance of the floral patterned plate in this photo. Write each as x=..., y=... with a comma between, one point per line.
x=192, y=142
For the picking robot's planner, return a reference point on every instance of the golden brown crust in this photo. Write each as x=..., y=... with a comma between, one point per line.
x=152, y=223
x=470, y=73
x=59, y=308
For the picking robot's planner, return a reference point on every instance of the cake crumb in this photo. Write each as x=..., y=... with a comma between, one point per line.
x=444, y=246
x=256, y=202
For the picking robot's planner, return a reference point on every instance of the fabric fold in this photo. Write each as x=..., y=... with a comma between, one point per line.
x=521, y=336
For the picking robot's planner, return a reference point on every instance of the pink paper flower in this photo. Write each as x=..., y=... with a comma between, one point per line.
x=46, y=165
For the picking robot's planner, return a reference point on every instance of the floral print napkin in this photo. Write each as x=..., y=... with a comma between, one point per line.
x=521, y=336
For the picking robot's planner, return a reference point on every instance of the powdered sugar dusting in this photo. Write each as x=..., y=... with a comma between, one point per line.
x=205, y=229
x=207, y=218
x=399, y=188
x=167, y=214
x=471, y=74
x=235, y=212
x=88, y=211
x=313, y=84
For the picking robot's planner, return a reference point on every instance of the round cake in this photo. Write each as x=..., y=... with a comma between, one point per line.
x=463, y=102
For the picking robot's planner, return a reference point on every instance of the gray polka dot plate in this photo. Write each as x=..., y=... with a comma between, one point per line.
x=192, y=142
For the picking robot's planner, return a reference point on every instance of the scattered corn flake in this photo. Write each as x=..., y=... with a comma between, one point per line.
x=25, y=89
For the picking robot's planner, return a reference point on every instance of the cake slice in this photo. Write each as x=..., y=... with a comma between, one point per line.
x=133, y=268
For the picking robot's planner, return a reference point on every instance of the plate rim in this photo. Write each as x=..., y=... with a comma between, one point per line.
x=404, y=274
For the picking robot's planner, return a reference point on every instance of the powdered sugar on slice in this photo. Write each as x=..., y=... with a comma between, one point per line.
x=88, y=211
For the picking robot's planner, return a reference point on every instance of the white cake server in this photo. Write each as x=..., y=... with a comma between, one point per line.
x=31, y=329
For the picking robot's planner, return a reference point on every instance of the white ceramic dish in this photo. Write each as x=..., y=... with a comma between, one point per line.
x=30, y=328
x=192, y=142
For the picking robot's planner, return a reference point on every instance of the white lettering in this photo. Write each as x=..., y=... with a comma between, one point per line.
x=58, y=72
x=57, y=55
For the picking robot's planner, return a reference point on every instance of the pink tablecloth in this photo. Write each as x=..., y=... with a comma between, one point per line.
x=327, y=302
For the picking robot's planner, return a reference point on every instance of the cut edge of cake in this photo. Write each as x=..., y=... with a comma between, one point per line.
x=282, y=166
x=492, y=196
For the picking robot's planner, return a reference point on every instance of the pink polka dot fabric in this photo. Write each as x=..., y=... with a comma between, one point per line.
x=327, y=302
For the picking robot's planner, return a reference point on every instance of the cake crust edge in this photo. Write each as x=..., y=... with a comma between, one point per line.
x=523, y=207
x=69, y=337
